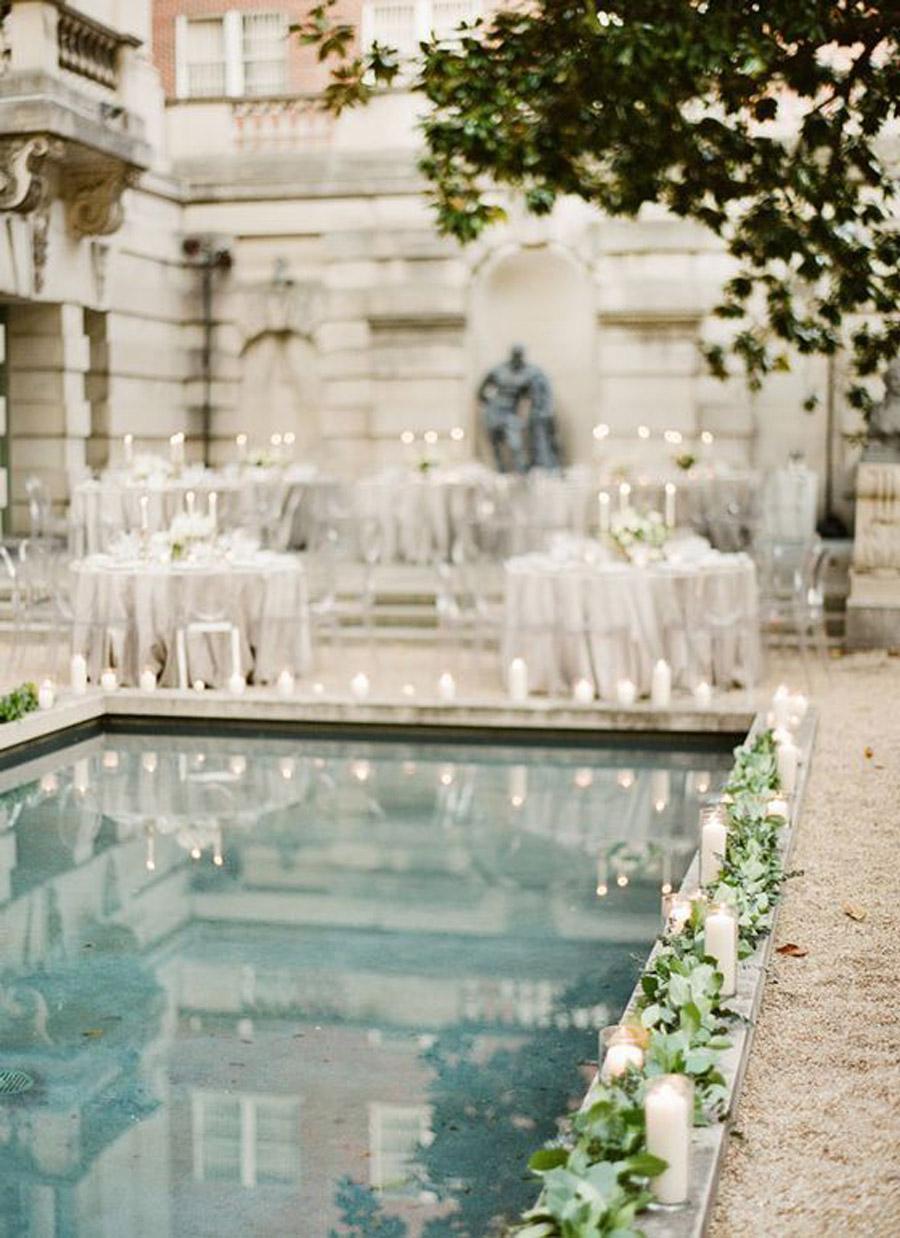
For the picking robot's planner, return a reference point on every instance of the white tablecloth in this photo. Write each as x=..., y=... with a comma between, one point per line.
x=127, y=616
x=610, y=621
x=262, y=500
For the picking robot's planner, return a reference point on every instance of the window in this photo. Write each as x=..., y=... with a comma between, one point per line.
x=234, y=55
x=204, y=55
x=403, y=24
x=396, y=1133
x=254, y=1140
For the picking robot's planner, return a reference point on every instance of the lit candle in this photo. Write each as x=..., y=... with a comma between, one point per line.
x=599, y=434
x=407, y=440
x=625, y=779
x=144, y=504
x=626, y=692
x=720, y=937
x=238, y=765
x=241, y=444
x=275, y=441
x=643, y=432
x=110, y=760
x=621, y=1049
x=713, y=842
x=148, y=680
x=677, y=910
x=518, y=680
x=670, y=504
x=78, y=674
x=703, y=694
x=285, y=683
x=706, y=444
x=518, y=785
x=788, y=758
x=189, y=500
x=660, y=789
x=108, y=680
x=583, y=692
x=46, y=695
x=408, y=690
x=602, y=876
x=624, y=496
x=778, y=807
x=359, y=686
x=799, y=707
x=128, y=448
x=661, y=685
x=198, y=685
x=236, y=683
x=290, y=439
x=603, y=505
x=447, y=687
x=81, y=777
x=212, y=508
x=669, y=1120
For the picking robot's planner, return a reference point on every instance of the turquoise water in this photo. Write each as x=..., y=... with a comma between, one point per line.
x=277, y=987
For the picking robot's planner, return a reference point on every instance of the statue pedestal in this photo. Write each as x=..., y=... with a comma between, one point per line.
x=873, y=608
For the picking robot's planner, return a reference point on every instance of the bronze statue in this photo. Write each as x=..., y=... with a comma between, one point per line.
x=883, y=431
x=500, y=395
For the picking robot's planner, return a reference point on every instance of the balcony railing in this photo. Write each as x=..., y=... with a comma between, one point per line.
x=88, y=49
x=279, y=124
x=78, y=44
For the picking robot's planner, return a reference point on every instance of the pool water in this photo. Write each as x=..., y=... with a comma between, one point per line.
x=281, y=987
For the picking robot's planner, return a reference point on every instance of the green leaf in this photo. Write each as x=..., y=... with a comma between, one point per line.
x=548, y=1158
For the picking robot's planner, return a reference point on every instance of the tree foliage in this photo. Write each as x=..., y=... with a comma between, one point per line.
x=767, y=121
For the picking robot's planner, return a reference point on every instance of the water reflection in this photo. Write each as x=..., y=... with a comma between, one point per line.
x=354, y=984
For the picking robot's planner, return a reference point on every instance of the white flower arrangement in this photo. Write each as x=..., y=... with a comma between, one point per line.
x=146, y=466
x=640, y=536
x=187, y=530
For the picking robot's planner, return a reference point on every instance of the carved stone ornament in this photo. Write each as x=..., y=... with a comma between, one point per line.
x=39, y=221
x=25, y=172
x=95, y=200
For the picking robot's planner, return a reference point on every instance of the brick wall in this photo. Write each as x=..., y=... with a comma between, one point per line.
x=305, y=74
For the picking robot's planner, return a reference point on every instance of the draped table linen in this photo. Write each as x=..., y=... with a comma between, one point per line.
x=606, y=621
x=127, y=615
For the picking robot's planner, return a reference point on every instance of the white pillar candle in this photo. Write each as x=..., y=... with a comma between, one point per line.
x=212, y=509
x=661, y=685
x=619, y=1051
x=703, y=694
x=189, y=500
x=236, y=683
x=176, y=450
x=148, y=680
x=447, y=687
x=677, y=910
x=781, y=707
x=198, y=685
x=78, y=674
x=720, y=935
x=624, y=496
x=241, y=444
x=128, y=449
x=518, y=785
x=669, y=1120
x=788, y=758
x=583, y=692
x=285, y=683
x=518, y=679
x=108, y=680
x=144, y=504
x=778, y=807
x=603, y=507
x=670, y=504
x=626, y=692
x=46, y=695
x=713, y=843
x=359, y=686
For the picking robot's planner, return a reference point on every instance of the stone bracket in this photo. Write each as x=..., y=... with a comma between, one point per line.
x=26, y=172
x=93, y=197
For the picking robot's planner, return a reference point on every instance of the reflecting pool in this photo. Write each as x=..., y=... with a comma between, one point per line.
x=280, y=987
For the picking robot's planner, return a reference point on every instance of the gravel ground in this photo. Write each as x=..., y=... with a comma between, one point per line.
x=818, y=1151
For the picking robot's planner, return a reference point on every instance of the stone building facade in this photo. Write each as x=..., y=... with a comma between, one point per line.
x=343, y=316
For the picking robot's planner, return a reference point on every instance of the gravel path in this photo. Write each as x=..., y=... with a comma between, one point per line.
x=819, y=1119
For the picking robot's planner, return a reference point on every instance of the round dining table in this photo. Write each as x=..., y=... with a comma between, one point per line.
x=223, y=614
x=585, y=614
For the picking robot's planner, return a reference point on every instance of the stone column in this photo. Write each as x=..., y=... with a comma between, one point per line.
x=49, y=417
x=873, y=608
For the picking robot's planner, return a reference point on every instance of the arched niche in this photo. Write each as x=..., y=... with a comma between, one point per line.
x=280, y=389
x=541, y=298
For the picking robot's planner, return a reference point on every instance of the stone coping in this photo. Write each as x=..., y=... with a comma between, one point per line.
x=265, y=706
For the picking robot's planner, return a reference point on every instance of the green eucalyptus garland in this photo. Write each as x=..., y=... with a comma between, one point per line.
x=595, y=1177
x=19, y=702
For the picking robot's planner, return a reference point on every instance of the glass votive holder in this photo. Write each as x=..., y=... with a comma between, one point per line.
x=669, y=1121
x=622, y=1049
x=720, y=942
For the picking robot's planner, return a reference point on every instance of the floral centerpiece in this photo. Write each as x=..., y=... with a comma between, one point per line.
x=146, y=466
x=187, y=532
x=640, y=536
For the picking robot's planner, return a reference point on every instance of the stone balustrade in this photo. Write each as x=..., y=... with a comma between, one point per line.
x=279, y=124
